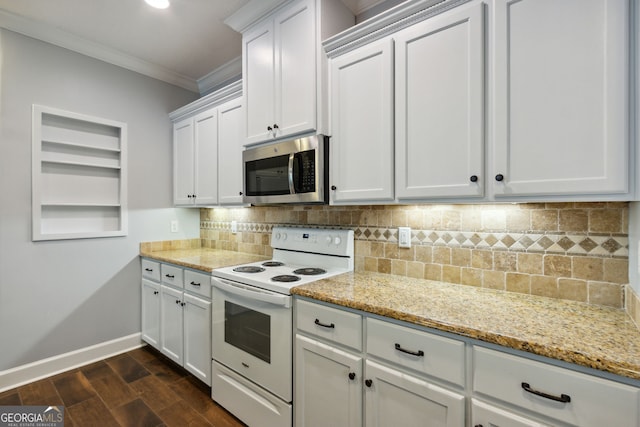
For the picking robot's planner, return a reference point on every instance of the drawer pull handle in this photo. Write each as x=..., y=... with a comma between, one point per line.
x=418, y=353
x=170, y=276
x=324, y=325
x=564, y=398
x=195, y=284
x=148, y=269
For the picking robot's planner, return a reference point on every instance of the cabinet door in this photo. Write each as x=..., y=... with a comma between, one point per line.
x=393, y=398
x=295, y=68
x=230, y=139
x=171, y=332
x=183, y=151
x=560, y=116
x=325, y=392
x=483, y=415
x=440, y=106
x=258, y=83
x=362, y=124
x=151, y=312
x=197, y=337
x=206, y=157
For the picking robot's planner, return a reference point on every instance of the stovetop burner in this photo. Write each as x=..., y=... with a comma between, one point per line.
x=285, y=278
x=310, y=271
x=273, y=264
x=248, y=269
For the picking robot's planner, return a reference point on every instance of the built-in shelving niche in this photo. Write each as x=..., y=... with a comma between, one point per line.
x=79, y=175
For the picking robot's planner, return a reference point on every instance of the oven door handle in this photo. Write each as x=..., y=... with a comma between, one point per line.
x=251, y=293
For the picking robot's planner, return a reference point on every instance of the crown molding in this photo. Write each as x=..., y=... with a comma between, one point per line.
x=213, y=99
x=387, y=23
x=86, y=47
x=250, y=13
x=226, y=72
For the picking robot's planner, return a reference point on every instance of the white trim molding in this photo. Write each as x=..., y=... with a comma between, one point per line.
x=55, y=36
x=224, y=73
x=44, y=368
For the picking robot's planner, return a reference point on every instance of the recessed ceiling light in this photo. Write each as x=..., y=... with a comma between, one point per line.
x=158, y=4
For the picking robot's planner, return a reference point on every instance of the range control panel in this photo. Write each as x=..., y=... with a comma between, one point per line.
x=316, y=240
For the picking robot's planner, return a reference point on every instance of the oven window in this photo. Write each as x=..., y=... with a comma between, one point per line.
x=267, y=177
x=248, y=330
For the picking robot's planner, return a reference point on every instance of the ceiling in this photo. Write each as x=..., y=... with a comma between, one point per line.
x=188, y=44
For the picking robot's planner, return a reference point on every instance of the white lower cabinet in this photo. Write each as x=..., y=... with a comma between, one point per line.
x=176, y=315
x=394, y=398
x=355, y=369
x=328, y=384
x=339, y=382
x=551, y=392
x=485, y=415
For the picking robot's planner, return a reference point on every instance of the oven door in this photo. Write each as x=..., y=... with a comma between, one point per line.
x=252, y=334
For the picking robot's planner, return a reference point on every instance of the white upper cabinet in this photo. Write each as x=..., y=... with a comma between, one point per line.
x=362, y=124
x=561, y=96
x=230, y=139
x=195, y=154
x=208, y=137
x=439, y=106
x=284, y=68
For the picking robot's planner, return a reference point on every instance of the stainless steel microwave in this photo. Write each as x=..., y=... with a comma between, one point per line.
x=293, y=171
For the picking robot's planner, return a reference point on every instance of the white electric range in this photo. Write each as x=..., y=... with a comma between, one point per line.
x=252, y=321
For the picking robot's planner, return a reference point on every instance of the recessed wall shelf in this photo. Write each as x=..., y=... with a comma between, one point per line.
x=79, y=175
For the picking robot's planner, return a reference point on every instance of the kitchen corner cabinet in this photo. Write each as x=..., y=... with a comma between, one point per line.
x=207, y=150
x=176, y=315
x=195, y=150
x=439, y=106
x=284, y=68
x=561, y=97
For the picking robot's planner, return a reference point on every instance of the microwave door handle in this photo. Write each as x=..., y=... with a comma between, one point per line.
x=292, y=188
x=249, y=292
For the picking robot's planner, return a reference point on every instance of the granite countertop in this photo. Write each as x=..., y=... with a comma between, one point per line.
x=203, y=259
x=597, y=337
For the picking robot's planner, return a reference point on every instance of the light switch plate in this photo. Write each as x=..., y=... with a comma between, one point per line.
x=234, y=227
x=404, y=237
x=174, y=226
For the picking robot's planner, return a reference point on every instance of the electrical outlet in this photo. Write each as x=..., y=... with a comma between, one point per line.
x=234, y=227
x=174, y=226
x=404, y=237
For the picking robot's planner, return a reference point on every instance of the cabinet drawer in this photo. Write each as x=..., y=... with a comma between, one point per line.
x=151, y=270
x=421, y=351
x=339, y=326
x=197, y=283
x=589, y=401
x=171, y=275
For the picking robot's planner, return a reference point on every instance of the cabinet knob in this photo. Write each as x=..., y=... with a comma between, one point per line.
x=368, y=383
x=240, y=193
x=352, y=375
x=177, y=301
x=156, y=292
x=499, y=177
x=269, y=128
x=183, y=304
x=275, y=126
x=474, y=178
x=334, y=188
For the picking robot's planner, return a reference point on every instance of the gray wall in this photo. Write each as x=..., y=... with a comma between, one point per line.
x=60, y=296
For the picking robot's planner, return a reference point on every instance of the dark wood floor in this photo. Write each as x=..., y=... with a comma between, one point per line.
x=138, y=388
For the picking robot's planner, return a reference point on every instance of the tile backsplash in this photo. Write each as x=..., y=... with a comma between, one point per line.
x=576, y=251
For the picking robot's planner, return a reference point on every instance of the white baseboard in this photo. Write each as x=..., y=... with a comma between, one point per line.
x=37, y=370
